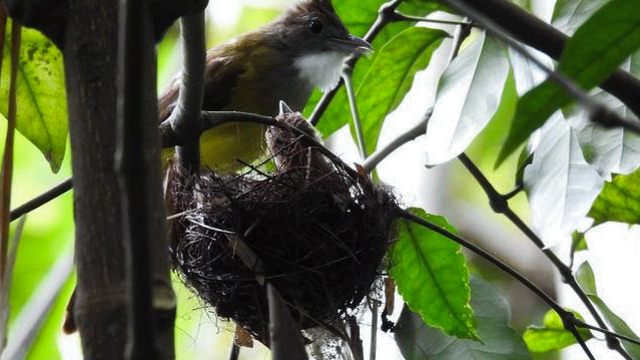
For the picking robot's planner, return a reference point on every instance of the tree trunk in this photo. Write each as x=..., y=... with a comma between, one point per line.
x=90, y=58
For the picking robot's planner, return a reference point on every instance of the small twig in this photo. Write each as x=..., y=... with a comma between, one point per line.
x=381, y=153
x=7, y=160
x=502, y=266
x=347, y=71
x=42, y=199
x=599, y=112
x=579, y=323
x=385, y=16
x=398, y=16
x=513, y=192
x=500, y=205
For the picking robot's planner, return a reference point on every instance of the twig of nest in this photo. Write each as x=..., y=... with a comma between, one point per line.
x=309, y=227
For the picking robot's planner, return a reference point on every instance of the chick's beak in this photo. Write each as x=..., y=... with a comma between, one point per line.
x=353, y=44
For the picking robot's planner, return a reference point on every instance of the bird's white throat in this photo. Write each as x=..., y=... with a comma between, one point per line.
x=321, y=69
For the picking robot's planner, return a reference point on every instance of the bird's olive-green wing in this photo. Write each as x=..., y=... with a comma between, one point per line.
x=221, y=76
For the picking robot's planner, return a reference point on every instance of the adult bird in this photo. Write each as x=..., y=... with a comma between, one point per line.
x=284, y=60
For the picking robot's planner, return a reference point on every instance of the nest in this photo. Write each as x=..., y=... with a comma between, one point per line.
x=311, y=229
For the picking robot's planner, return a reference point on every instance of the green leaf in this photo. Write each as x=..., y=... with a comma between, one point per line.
x=611, y=150
x=391, y=75
x=561, y=186
x=432, y=277
x=468, y=96
x=552, y=335
x=42, y=102
x=568, y=15
x=418, y=341
x=598, y=47
x=586, y=279
x=359, y=15
x=619, y=200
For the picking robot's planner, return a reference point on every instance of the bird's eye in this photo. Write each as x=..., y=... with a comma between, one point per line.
x=315, y=26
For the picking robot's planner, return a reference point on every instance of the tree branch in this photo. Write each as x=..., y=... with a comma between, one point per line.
x=598, y=111
x=42, y=199
x=381, y=153
x=185, y=118
x=502, y=266
x=536, y=33
x=500, y=205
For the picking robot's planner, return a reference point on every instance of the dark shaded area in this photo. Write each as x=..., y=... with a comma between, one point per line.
x=50, y=16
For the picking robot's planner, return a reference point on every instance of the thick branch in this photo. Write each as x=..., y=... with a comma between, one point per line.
x=185, y=118
x=544, y=37
x=51, y=16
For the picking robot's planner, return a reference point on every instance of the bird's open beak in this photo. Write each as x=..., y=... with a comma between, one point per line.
x=353, y=44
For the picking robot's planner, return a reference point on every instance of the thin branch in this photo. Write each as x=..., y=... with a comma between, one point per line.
x=398, y=16
x=7, y=160
x=385, y=16
x=579, y=323
x=544, y=37
x=499, y=264
x=42, y=199
x=381, y=153
x=500, y=205
x=185, y=117
x=347, y=71
x=598, y=111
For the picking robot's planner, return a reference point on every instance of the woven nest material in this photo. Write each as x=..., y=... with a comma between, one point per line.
x=310, y=229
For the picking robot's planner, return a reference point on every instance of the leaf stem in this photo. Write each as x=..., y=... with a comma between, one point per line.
x=398, y=16
x=579, y=323
x=347, y=71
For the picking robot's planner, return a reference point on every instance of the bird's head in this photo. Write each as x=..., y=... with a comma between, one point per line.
x=317, y=40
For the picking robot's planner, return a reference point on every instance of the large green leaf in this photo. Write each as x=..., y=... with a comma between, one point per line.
x=42, y=102
x=568, y=15
x=419, y=341
x=598, y=47
x=468, y=96
x=359, y=15
x=432, y=277
x=586, y=279
x=552, y=334
x=561, y=186
x=619, y=200
x=391, y=75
